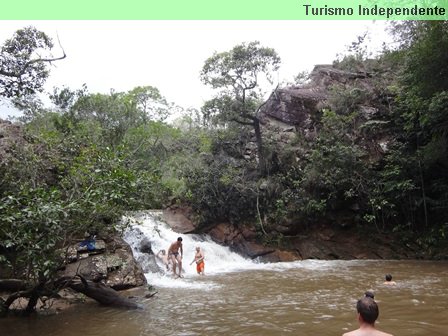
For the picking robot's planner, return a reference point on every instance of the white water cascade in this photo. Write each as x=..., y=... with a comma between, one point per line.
x=218, y=259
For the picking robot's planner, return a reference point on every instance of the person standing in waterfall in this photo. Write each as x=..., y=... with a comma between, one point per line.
x=175, y=253
x=199, y=259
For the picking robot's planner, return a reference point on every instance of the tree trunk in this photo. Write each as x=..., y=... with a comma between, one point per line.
x=102, y=294
x=11, y=285
x=97, y=291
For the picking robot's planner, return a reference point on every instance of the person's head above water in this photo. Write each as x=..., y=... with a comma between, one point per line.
x=369, y=294
x=179, y=239
x=367, y=309
x=388, y=277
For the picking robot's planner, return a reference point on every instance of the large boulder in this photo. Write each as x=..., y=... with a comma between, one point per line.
x=179, y=218
x=108, y=261
x=295, y=105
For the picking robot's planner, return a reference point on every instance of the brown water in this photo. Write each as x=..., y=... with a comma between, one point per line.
x=301, y=298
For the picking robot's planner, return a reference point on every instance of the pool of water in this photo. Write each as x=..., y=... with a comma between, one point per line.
x=295, y=298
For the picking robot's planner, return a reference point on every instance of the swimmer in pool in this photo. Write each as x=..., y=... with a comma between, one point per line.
x=389, y=281
x=367, y=314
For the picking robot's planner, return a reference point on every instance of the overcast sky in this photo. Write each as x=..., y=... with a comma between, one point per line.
x=170, y=54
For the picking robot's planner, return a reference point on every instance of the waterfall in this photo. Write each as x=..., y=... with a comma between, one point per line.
x=148, y=228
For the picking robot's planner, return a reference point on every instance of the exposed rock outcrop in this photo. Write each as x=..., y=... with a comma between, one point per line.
x=11, y=136
x=180, y=218
x=296, y=105
x=110, y=262
x=296, y=110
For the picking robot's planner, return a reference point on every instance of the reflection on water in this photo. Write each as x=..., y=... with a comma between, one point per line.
x=299, y=298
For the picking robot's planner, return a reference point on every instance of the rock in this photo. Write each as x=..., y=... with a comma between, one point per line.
x=283, y=229
x=253, y=250
x=294, y=105
x=112, y=263
x=243, y=241
x=178, y=218
x=326, y=234
x=309, y=250
x=123, y=271
x=149, y=263
x=280, y=256
x=145, y=246
x=11, y=136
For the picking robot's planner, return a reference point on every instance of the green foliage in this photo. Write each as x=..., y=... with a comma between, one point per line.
x=219, y=190
x=426, y=59
x=236, y=73
x=240, y=67
x=32, y=226
x=81, y=167
x=23, y=71
x=51, y=194
x=346, y=100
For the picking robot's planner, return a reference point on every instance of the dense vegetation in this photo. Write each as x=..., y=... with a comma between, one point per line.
x=91, y=157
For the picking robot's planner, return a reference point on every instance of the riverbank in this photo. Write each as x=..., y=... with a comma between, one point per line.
x=319, y=241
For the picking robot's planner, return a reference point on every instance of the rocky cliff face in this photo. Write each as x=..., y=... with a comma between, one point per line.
x=323, y=242
x=296, y=110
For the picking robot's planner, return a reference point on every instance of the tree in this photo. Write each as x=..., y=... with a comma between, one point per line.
x=423, y=103
x=24, y=61
x=149, y=101
x=237, y=73
x=117, y=112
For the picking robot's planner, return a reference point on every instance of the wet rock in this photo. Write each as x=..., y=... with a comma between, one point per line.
x=253, y=250
x=243, y=241
x=149, y=263
x=178, y=218
x=112, y=263
x=145, y=246
x=278, y=256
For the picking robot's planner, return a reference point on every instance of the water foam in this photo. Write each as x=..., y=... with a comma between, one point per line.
x=218, y=259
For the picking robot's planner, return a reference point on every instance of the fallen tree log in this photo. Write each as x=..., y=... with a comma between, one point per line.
x=101, y=293
x=97, y=291
x=11, y=285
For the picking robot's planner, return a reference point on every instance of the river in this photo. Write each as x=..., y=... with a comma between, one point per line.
x=243, y=297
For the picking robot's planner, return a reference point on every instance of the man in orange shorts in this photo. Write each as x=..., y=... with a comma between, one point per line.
x=199, y=259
